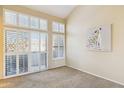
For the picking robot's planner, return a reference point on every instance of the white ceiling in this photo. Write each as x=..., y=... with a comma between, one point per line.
x=56, y=10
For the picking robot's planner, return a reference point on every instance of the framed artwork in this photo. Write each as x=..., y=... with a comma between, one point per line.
x=99, y=38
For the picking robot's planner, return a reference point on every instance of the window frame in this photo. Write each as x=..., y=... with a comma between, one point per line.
x=58, y=33
x=29, y=20
x=46, y=25
x=23, y=25
x=58, y=30
x=58, y=57
x=49, y=32
x=4, y=18
x=33, y=17
x=16, y=53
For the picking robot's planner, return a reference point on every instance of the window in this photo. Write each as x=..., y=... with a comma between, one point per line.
x=23, y=41
x=10, y=41
x=58, y=42
x=58, y=27
x=35, y=41
x=38, y=42
x=26, y=51
x=35, y=22
x=10, y=47
x=43, y=25
x=10, y=65
x=23, y=20
x=38, y=51
x=23, y=63
x=10, y=18
x=58, y=46
x=43, y=42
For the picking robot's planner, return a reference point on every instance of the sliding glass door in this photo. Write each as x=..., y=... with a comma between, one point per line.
x=25, y=52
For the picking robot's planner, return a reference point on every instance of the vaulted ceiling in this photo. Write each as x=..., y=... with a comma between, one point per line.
x=55, y=10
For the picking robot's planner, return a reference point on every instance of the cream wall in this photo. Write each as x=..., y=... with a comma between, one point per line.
x=109, y=65
x=51, y=63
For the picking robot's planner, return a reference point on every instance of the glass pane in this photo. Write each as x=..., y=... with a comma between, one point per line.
x=35, y=59
x=35, y=23
x=10, y=41
x=10, y=61
x=23, y=41
x=55, y=52
x=55, y=27
x=61, y=51
x=43, y=58
x=35, y=41
x=55, y=46
x=60, y=40
x=23, y=63
x=58, y=46
x=58, y=27
x=10, y=18
x=43, y=42
x=43, y=24
x=61, y=28
x=23, y=20
x=55, y=40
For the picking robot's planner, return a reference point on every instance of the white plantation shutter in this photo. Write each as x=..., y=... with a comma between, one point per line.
x=23, y=63
x=58, y=46
x=10, y=65
x=10, y=41
x=18, y=45
x=35, y=41
x=58, y=30
x=23, y=41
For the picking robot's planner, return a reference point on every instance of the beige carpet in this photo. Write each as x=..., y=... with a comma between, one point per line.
x=62, y=77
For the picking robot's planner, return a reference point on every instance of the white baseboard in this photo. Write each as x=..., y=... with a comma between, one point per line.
x=114, y=81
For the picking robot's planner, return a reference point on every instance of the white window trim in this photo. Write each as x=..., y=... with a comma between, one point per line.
x=46, y=23
x=58, y=33
x=28, y=21
x=37, y=20
x=4, y=64
x=4, y=10
x=18, y=26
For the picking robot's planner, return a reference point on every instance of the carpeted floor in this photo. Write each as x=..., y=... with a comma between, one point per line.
x=62, y=77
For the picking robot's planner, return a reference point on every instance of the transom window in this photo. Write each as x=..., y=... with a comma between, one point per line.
x=58, y=27
x=43, y=24
x=35, y=23
x=24, y=20
x=10, y=18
